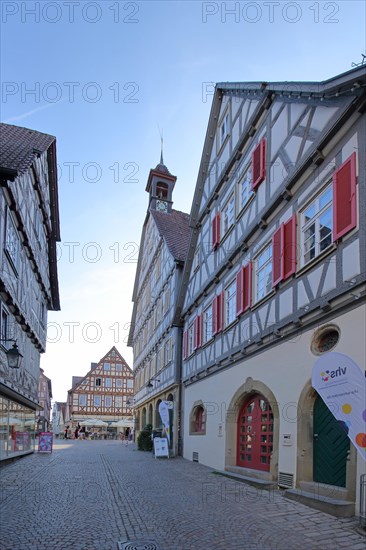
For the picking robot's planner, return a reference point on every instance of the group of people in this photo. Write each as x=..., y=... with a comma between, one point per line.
x=79, y=433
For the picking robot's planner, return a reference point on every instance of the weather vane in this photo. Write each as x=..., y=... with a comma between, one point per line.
x=362, y=62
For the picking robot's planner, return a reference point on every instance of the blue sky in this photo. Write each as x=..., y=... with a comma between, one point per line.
x=106, y=78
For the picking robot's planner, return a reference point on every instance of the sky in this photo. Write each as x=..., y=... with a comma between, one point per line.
x=108, y=78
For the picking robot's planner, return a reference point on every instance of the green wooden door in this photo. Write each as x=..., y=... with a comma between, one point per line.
x=331, y=446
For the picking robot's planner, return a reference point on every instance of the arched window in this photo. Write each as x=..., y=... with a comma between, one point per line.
x=198, y=420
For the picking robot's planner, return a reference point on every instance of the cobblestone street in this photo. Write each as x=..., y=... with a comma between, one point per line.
x=102, y=495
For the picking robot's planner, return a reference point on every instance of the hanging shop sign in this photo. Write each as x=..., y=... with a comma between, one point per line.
x=341, y=384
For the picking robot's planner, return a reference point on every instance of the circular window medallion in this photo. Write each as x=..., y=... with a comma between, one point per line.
x=325, y=339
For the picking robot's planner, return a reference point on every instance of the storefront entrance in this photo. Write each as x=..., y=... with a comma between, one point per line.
x=255, y=434
x=331, y=447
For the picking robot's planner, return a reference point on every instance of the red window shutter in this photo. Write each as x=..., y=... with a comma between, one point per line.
x=214, y=311
x=259, y=164
x=277, y=256
x=344, y=198
x=247, y=284
x=239, y=292
x=289, y=247
x=217, y=314
x=197, y=332
x=185, y=344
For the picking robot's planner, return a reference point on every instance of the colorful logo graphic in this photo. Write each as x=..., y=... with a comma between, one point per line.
x=326, y=375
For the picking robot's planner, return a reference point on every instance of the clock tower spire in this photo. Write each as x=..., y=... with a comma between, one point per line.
x=160, y=185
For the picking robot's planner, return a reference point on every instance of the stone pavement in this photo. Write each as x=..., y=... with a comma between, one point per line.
x=102, y=495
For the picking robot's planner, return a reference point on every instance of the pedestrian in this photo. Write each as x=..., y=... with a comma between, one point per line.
x=66, y=432
x=82, y=432
x=76, y=432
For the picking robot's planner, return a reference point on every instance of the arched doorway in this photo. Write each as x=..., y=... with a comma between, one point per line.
x=158, y=422
x=331, y=447
x=143, y=424
x=150, y=419
x=255, y=434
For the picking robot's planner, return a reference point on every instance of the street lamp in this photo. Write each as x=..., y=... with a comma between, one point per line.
x=13, y=354
x=150, y=382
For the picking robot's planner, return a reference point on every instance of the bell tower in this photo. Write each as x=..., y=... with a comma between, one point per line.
x=160, y=187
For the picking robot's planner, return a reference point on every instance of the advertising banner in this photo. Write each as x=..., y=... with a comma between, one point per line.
x=45, y=442
x=341, y=384
x=164, y=408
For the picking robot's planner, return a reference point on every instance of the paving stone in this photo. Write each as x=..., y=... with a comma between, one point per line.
x=90, y=497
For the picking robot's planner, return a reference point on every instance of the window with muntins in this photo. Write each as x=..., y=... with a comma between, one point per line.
x=263, y=273
x=108, y=382
x=228, y=214
x=11, y=241
x=82, y=400
x=207, y=324
x=97, y=400
x=230, y=303
x=108, y=401
x=245, y=191
x=316, y=226
x=224, y=129
x=190, y=339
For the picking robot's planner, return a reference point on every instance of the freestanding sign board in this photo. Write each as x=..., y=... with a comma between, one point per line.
x=45, y=442
x=161, y=447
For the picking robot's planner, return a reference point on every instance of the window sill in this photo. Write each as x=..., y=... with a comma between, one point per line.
x=226, y=235
x=231, y=325
x=241, y=212
x=264, y=299
x=316, y=260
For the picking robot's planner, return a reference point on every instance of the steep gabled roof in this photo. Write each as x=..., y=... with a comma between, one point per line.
x=113, y=354
x=20, y=146
x=174, y=229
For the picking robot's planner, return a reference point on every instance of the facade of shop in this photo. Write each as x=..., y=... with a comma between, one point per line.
x=156, y=342
x=276, y=280
x=104, y=395
x=29, y=231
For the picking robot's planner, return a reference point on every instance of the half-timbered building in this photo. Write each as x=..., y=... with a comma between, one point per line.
x=156, y=342
x=29, y=231
x=104, y=393
x=275, y=277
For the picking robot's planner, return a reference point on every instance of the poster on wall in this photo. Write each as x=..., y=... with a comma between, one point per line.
x=45, y=442
x=342, y=385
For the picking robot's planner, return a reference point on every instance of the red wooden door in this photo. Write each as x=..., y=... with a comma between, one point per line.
x=255, y=434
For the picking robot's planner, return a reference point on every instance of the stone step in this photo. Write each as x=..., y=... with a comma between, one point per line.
x=331, y=491
x=334, y=506
x=255, y=482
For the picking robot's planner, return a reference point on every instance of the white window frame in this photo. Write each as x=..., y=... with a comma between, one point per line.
x=108, y=382
x=245, y=182
x=224, y=128
x=82, y=400
x=228, y=215
x=129, y=384
x=108, y=398
x=190, y=343
x=12, y=243
x=230, y=303
x=97, y=400
x=107, y=366
x=118, y=402
x=320, y=210
x=118, y=382
x=263, y=267
x=207, y=323
x=196, y=259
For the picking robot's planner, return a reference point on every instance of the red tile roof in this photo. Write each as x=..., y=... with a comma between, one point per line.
x=174, y=229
